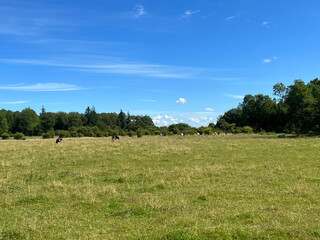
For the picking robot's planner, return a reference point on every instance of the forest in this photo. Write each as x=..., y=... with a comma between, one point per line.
x=294, y=109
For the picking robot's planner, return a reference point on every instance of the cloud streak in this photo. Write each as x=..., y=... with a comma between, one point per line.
x=139, y=11
x=148, y=70
x=42, y=87
x=234, y=96
x=14, y=103
x=189, y=13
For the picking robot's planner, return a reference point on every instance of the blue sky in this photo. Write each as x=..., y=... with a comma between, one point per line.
x=176, y=61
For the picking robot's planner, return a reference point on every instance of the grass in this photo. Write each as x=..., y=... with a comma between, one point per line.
x=191, y=187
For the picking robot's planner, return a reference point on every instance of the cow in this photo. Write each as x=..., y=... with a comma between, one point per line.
x=59, y=139
x=115, y=137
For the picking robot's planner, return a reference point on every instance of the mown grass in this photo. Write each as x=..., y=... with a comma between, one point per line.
x=191, y=187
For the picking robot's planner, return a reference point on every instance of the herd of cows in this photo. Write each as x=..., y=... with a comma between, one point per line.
x=115, y=137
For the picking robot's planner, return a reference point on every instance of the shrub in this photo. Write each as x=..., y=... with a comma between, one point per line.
x=63, y=134
x=49, y=134
x=207, y=131
x=132, y=133
x=5, y=135
x=281, y=136
x=139, y=133
x=19, y=136
x=247, y=129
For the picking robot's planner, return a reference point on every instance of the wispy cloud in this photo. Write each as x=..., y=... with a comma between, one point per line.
x=181, y=101
x=189, y=13
x=28, y=21
x=229, y=18
x=139, y=11
x=209, y=109
x=14, y=103
x=42, y=87
x=266, y=24
x=232, y=17
x=268, y=60
x=148, y=70
x=234, y=96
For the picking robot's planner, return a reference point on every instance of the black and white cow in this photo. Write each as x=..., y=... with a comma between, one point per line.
x=59, y=139
x=115, y=137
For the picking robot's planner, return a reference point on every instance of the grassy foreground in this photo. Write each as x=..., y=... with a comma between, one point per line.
x=191, y=187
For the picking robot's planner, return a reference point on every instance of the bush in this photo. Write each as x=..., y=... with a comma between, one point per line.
x=247, y=129
x=49, y=134
x=281, y=136
x=19, y=136
x=63, y=134
x=139, y=133
x=5, y=135
x=132, y=133
x=207, y=131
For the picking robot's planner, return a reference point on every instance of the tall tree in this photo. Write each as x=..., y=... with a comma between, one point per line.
x=122, y=120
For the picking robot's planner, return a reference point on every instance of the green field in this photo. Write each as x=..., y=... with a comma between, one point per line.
x=191, y=187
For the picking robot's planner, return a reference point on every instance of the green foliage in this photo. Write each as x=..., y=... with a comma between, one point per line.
x=247, y=129
x=49, y=134
x=140, y=132
x=19, y=136
x=5, y=135
x=4, y=127
x=63, y=133
x=28, y=121
x=207, y=131
x=132, y=133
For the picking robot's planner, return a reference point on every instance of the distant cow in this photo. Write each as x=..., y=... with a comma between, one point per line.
x=59, y=140
x=181, y=134
x=115, y=137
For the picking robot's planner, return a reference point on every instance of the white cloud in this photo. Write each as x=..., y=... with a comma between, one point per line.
x=97, y=65
x=139, y=11
x=268, y=60
x=164, y=120
x=12, y=103
x=42, y=87
x=209, y=109
x=229, y=18
x=181, y=101
x=194, y=119
x=189, y=13
x=265, y=23
x=234, y=96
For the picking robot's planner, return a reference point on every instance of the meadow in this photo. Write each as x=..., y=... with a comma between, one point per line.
x=190, y=187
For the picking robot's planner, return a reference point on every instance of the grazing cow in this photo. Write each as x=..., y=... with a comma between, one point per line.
x=181, y=134
x=198, y=134
x=115, y=137
x=59, y=139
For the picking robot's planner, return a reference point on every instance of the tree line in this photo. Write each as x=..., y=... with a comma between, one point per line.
x=294, y=109
x=90, y=124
